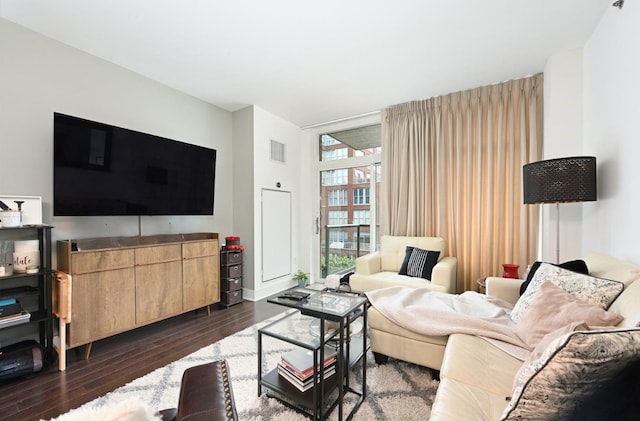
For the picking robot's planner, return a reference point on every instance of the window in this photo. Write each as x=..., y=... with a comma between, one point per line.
x=338, y=217
x=329, y=141
x=361, y=196
x=361, y=176
x=361, y=217
x=334, y=177
x=338, y=238
x=364, y=241
x=337, y=197
x=349, y=166
x=332, y=154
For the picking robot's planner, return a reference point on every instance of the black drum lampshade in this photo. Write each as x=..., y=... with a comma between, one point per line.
x=560, y=180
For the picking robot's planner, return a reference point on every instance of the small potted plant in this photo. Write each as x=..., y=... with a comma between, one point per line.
x=301, y=278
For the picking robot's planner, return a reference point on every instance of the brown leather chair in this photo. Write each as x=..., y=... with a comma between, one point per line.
x=205, y=394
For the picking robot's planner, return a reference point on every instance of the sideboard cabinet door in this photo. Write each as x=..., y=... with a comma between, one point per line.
x=200, y=271
x=158, y=282
x=103, y=305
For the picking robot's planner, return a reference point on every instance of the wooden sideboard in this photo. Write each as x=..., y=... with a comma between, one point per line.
x=110, y=285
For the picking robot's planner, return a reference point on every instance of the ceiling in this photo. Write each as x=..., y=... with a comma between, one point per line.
x=314, y=62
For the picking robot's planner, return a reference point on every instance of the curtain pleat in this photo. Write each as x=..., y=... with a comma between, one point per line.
x=452, y=167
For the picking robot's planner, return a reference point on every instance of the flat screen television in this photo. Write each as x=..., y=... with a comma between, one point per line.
x=100, y=169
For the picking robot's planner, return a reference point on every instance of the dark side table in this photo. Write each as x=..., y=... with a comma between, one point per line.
x=341, y=309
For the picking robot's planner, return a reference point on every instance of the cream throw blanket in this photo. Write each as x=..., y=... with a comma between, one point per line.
x=440, y=314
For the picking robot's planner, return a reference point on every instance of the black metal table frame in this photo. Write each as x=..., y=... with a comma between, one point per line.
x=344, y=362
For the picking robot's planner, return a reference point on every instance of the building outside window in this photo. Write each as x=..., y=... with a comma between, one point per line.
x=361, y=217
x=338, y=197
x=361, y=196
x=361, y=177
x=335, y=177
x=349, y=167
x=338, y=217
x=338, y=238
x=333, y=154
x=329, y=141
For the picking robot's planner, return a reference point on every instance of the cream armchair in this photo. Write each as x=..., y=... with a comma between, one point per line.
x=380, y=269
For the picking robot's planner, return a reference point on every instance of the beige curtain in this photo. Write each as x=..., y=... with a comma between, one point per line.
x=452, y=167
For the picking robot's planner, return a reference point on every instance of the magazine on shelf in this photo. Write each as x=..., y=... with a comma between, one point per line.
x=306, y=375
x=303, y=386
x=301, y=360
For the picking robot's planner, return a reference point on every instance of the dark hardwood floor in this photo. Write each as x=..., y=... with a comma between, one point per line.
x=120, y=359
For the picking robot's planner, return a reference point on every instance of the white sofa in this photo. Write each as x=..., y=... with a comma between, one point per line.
x=476, y=376
x=380, y=269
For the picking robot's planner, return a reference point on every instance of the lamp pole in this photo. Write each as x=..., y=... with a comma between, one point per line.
x=558, y=232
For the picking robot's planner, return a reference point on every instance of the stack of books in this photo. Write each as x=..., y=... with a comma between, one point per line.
x=297, y=367
x=11, y=313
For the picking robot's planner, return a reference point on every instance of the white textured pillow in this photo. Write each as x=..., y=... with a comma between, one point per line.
x=596, y=291
x=571, y=368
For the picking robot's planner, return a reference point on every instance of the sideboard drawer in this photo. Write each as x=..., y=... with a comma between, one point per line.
x=97, y=261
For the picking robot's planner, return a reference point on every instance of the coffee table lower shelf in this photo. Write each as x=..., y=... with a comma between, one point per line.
x=292, y=397
x=280, y=388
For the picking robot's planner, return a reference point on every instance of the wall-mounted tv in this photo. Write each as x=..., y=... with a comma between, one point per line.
x=100, y=169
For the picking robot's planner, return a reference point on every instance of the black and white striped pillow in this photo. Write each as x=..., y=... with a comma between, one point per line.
x=419, y=263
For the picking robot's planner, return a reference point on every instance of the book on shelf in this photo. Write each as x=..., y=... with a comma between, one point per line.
x=304, y=376
x=10, y=309
x=7, y=301
x=307, y=384
x=15, y=319
x=300, y=360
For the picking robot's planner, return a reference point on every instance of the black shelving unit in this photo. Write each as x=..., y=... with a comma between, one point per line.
x=33, y=290
x=230, y=277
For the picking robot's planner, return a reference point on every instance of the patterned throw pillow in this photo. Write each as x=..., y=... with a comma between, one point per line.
x=569, y=371
x=419, y=263
x=579, y=266
x=596, y=291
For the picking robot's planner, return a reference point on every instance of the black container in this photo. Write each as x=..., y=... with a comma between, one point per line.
x=20, y=359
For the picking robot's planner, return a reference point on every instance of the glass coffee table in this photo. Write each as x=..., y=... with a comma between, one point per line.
x=324, y=324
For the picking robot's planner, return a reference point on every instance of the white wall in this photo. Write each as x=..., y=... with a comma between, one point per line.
x=563, y=137
x=612, y=132
x=40, y=76
x=252, y=152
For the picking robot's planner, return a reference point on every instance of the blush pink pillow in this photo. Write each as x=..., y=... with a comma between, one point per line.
x=553, y=308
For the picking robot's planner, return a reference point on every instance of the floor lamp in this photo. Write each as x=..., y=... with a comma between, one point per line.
x=558, y=181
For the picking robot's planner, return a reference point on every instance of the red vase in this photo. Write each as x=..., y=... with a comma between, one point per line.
x=510, y=271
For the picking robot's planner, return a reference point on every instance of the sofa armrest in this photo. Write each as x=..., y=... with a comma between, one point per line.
x=368, y=264
x=444, y=274
x=507, y=289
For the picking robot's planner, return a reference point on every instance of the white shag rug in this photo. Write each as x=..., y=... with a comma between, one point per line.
x=395, y=391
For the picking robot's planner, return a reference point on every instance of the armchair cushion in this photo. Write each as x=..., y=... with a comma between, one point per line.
x=418, y=262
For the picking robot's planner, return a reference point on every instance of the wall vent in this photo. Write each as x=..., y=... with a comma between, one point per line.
x=277, y=151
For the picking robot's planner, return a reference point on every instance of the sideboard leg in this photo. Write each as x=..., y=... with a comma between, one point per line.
x=87, y=350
